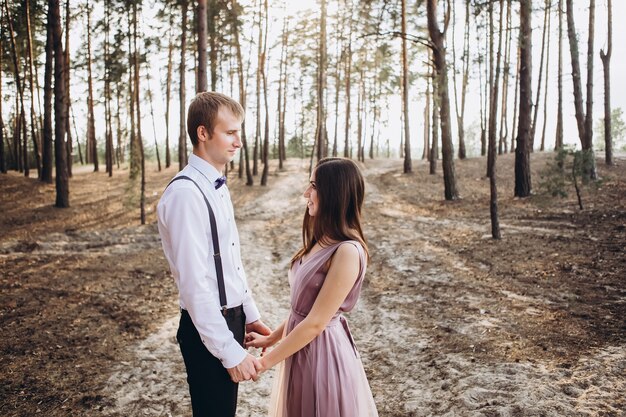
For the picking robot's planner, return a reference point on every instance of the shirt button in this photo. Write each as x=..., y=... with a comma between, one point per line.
x=233, y=243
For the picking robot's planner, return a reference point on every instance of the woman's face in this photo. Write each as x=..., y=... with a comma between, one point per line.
x=311, y=196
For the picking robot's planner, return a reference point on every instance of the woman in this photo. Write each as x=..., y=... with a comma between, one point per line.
x=322, y=374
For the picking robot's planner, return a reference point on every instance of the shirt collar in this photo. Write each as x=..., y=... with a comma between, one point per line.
x=209, y=171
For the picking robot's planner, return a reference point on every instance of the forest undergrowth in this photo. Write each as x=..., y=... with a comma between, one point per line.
x=450, y=322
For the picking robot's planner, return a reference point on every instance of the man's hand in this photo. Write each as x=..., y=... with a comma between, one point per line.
x=258, y=327
x=254, y=329
x=246, y=370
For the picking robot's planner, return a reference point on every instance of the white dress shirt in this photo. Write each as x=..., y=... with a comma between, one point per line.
x=186, y=237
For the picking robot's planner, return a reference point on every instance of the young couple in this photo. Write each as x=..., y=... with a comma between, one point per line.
x=320, y=372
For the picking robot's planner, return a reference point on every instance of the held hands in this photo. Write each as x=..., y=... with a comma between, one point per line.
x=250, y=368
x=247, y=369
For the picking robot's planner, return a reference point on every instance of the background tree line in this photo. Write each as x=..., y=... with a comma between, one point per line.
x=315, y=82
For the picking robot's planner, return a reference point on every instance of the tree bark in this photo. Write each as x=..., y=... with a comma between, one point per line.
x=439, y=58
x=522, y=149
x=33, y=115
x=533, y=128
x=504, y=127
x=559, y=117
x=92, y=150
x=201, y=22
x=182, y=134
x=434, y=145
x=46, y=170
x=493, y=117
x=266, y=139
x=321, y=134
x=62, y=178
x=282, y=90
x=168, y=93
x=21, y=159
x=348, y=76
x=408, y=166
x=69, y=147
x=606, y=66
x=242, y=93
x=3, y=165
x=142, y=159
x=542, y=146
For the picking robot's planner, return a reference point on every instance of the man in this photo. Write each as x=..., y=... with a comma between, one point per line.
x=210, y=334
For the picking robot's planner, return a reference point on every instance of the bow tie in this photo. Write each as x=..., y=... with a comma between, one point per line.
x=220, y=181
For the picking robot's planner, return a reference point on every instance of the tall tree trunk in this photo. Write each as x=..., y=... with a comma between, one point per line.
x=134, y=161
x=504, y=127
x=21, y=159
x=118, y=122
x=515, y=101
x=62, y=179
x=348, y=77
x=282, y=84
x=482, y=95
x=439, y=57
x=182, y=134
x=606, y=66
x=3, y=165
x=491, y=156
x=242, y=94
x=156, y=144
x=465, y=72
x=213, y=41
x=559, y=116
x=542, y=147
x=69, y=147
x=266, y=139
x=408, y=166
x=578, y=95
x=92, y=150
x=33, y=93
x=583, y=119
x=321, y=134
x=533, y=128
x=257, y=131
x=168, y=92
x=589, y=104
x=46, y=171
x=435, y=125
x=426, y=153
x=108, y=135
x=522, y=150
x=138, y=108
x=493, y=117
x=201, y=22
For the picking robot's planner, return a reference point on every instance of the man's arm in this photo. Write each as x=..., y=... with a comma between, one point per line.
x=186, y=218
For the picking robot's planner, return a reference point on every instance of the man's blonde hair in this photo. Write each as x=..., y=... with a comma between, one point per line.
x=203, y=111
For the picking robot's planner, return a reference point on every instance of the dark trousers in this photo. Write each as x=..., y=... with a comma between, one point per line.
x=213, y=393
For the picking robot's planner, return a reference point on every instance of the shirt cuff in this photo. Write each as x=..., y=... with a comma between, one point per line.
x=232, y=355
x=251, y=312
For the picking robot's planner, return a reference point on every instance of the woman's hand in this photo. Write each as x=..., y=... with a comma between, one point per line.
x=256, y=340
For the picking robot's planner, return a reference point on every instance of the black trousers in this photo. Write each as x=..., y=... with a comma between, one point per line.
x=213, y=393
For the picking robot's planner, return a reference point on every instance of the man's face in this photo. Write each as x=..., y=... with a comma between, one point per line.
x=222, y=145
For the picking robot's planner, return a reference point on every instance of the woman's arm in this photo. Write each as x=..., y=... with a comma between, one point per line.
x=343, y=273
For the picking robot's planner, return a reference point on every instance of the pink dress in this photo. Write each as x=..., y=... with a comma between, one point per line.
x=326, y=377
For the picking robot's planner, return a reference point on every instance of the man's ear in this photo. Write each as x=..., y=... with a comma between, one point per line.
x=202, y=133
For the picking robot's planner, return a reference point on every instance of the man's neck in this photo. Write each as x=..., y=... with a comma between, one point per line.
x=197, y=152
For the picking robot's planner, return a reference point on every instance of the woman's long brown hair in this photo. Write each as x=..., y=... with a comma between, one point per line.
x=340, y=193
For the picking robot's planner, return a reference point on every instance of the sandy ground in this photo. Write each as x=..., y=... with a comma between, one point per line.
x=450, y=322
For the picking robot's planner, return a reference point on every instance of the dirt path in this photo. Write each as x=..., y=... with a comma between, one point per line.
x=450, y=323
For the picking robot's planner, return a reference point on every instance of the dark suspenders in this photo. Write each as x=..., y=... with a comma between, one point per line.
x=217, y=257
